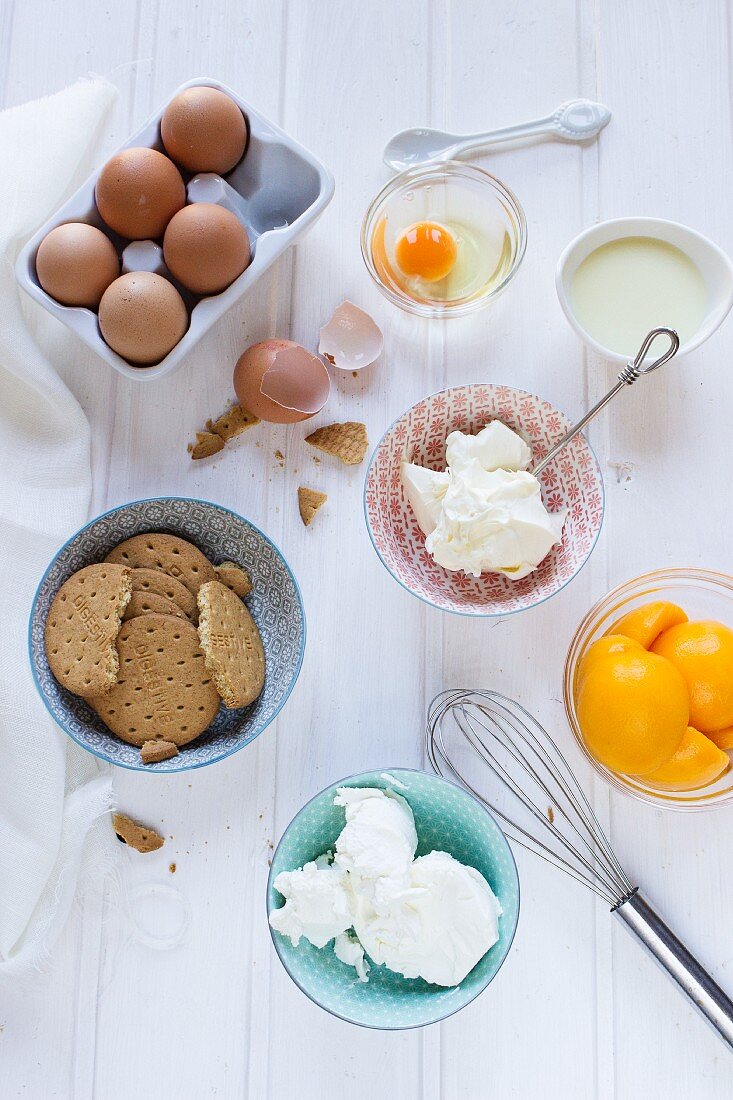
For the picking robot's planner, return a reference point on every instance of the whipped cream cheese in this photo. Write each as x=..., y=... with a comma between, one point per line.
x=429, y=917
x=485, y=513
x=425, y=491
x=378, y=843
x=317, y=906
x=349, y=950
x=437, y=927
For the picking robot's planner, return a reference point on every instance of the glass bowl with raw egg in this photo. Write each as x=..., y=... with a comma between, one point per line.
x=648, y=688
x=443, y=240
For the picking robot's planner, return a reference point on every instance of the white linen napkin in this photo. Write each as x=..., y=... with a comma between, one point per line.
x=51, y=791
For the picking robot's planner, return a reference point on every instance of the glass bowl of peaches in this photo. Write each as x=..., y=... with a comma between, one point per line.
x=648, y=688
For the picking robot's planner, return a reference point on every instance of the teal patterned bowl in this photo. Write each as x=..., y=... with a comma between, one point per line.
x=447, y=819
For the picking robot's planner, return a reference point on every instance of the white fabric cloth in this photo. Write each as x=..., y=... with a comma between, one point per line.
x=51, y=791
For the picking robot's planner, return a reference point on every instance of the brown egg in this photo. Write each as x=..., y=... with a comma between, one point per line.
x=138, y=192
x=142, y=317
x=205, y=247
x=296, y=382
x=75, y=264
x=204, y=130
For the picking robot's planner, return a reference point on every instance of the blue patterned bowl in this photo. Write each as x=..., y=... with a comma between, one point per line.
x=275, y=603
x=447, y=819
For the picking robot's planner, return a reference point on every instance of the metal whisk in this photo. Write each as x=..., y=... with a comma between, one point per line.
x=542, y=807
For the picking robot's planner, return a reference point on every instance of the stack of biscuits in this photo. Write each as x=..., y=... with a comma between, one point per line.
x=155, y=638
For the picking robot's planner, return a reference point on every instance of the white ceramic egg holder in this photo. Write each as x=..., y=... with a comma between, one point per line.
x=278, y=191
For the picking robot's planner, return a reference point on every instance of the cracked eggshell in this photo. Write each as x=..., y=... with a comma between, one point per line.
x=281, y=382
x=351, y=339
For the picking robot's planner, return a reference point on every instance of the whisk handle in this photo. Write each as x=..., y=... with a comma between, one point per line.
x=682, y=967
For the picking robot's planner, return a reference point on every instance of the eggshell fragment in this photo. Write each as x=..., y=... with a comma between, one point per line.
x=297, y=380
x=281, y=382
x=351, y=339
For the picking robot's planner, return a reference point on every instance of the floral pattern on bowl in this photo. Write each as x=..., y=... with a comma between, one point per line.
x=572, y=481
x=275, y=603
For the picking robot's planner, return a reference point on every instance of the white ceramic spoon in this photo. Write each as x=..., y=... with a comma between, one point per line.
x=576, y=120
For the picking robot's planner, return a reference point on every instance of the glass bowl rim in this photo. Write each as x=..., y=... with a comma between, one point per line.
x=418, y=172
x=607, y=605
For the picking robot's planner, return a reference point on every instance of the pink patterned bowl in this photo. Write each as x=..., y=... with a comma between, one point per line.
x=572, y=481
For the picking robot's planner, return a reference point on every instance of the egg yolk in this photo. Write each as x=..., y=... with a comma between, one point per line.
x=426, y=249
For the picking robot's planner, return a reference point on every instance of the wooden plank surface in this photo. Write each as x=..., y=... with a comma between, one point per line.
x=577, y=1011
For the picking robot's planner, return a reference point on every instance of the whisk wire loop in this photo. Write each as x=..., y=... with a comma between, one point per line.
x=558, y=809
x=558, y=770
x=443, y=765
x=515, y=748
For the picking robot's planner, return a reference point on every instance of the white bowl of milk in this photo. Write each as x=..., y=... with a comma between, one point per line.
x=621, y=278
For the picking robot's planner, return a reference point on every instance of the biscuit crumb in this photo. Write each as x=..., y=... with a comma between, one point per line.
x=153, y=751
x=172, y=868
x=206, y=445
x=550, y=815
x=309, y=501
x=136, y=836
x=347, y=441
x=280, y=458
x=233, y=422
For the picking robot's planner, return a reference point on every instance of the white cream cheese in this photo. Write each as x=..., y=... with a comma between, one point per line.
x=438, y=927
x=349, y=951
x=317, y=904
x=378, y=842
x=430, y=917
x=489, y=516
x=425, y=491
x=495, y=447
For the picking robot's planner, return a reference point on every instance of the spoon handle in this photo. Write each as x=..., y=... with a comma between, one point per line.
x=576, y=120
x=627, y=377
x=506, y=133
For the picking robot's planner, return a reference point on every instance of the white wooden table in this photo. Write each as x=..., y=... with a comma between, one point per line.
x=577, y=1011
